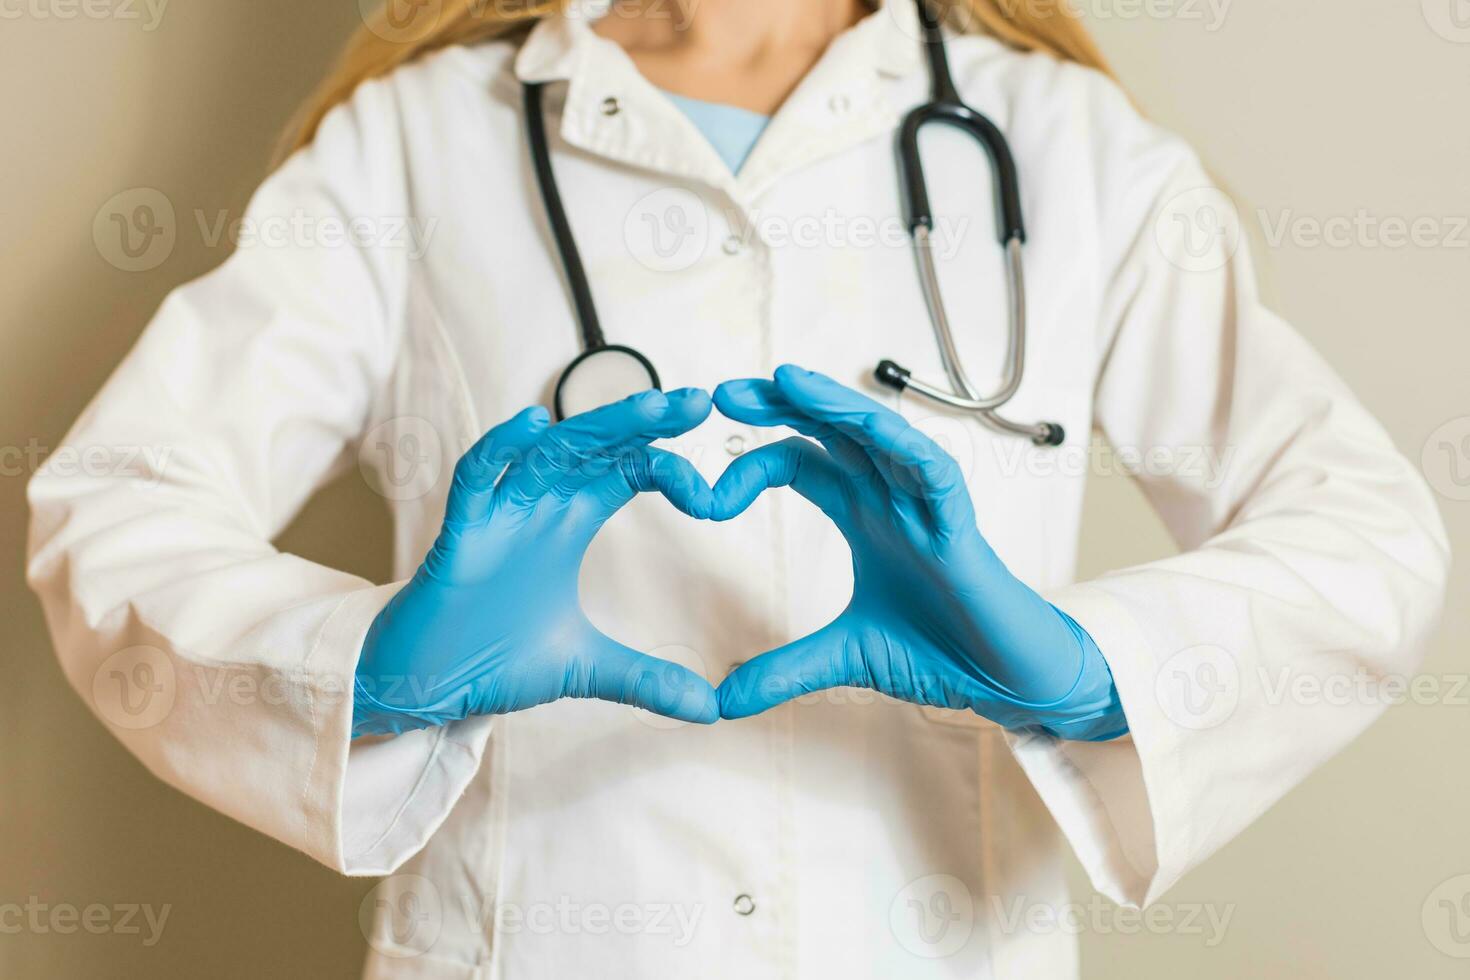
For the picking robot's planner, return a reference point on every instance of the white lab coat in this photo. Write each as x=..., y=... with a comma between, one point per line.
x=862, y=837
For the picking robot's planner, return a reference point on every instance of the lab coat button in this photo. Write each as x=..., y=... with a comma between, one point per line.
x=744, y=905
x=735, y=445
x=732, y=245
x=610, y=106
x=839, y=104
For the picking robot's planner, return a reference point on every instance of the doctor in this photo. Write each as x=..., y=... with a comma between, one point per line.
x=574, y=754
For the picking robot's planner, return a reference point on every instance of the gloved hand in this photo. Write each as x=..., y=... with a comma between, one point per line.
x=935, y=617
x=490, y=622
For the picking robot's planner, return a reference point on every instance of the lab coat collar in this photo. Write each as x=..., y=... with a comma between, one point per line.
x=611, y=110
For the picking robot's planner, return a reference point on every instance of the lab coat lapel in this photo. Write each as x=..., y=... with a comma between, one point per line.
x=609, y=109
x=844, y=100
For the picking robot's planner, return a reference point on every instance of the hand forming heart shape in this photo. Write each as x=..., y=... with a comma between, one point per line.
x=490, y=623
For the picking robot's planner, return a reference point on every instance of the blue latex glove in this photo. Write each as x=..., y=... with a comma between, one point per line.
x=935, y=617
x=490, y=622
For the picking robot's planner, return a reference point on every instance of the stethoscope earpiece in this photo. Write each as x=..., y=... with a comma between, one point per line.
x=891, y=375
x=894, y=376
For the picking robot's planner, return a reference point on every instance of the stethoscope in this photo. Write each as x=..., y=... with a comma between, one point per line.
x=605, y=372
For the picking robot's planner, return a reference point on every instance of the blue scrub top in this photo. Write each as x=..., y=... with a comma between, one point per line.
x=731, y=130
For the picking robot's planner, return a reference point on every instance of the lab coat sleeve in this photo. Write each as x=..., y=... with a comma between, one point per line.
x=1313, y=559
x=222, y=663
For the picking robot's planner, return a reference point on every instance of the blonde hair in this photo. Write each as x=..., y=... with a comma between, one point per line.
x=384, y=42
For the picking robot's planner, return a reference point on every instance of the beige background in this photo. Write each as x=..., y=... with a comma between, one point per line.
x=1308, y=110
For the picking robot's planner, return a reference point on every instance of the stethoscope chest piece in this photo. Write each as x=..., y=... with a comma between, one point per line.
x=601, y=376
x=603, y=373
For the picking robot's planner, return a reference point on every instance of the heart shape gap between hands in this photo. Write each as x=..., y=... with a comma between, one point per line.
x=491, y=623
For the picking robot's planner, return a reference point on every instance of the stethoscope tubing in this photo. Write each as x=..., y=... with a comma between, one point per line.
x=561, y=229
x=944, y=108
